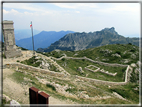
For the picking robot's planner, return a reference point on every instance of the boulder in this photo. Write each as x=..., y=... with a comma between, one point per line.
x=14, y=103
x=80, y=69
x=133, y=56
x=117, y=55
x=139, y=63
x=133, y=65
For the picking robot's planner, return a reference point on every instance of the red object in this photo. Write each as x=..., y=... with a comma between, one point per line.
x=30, y=24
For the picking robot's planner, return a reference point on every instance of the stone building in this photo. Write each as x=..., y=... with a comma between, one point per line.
x=10, y=48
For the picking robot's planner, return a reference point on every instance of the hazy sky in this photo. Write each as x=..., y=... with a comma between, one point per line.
x=79, y=17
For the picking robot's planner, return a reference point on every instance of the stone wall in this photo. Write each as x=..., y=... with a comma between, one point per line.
x=91, y=69
x=100, y=81
x=31, y=68
x=106, y=82
x=102, y=70
x=98, y=62
x=108, y=73
x=52, y=73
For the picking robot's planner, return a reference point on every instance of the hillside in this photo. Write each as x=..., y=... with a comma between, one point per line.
x=80, y=41
x=90, y=76
x=42, y=40
x=114, y=53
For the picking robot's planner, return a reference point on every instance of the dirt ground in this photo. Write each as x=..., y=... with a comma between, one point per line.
x=17, y=91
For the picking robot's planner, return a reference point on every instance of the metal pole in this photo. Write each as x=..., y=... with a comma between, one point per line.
x=32, y=38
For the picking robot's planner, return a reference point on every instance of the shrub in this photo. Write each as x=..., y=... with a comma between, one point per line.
x=63, y=59
x=23, y=48
x=134, y=77
x=51, y=86
x=118, y=52
x=125, y=56
x=3, y=56
x=129, y=43
x=132, y=50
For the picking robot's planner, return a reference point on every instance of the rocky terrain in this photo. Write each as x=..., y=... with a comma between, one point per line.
x=77, y=85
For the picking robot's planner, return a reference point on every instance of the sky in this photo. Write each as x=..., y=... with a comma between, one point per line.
x=78, y=17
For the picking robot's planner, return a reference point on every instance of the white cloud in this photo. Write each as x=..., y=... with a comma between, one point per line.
x=120, y=7
x=25, y=6
x=77, y=11
x=12, y=11
x=28, y=13
x=76, y=16
x=5, y=12
x=76, y=5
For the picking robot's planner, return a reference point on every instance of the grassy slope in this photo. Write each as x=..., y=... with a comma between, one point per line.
x=125, y=51
x=127, y=91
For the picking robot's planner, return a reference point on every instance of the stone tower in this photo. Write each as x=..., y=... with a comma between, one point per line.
x=9, y=40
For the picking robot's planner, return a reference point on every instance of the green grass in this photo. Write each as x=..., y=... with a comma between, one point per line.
x=75, y=88
x=128, y=92
x=5, y=102
x=72, y=66
x=97, y=52
x=92, y=68
x=32, y=62
x=51, y=86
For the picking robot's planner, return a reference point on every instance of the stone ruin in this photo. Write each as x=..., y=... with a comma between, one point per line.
x=10, y=48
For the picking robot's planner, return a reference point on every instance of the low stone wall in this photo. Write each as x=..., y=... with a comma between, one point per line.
x=52, y=73
x=31, y=68
x=91, y=69
x=107, y=82
x=100, y=81
x=126, y=76
x=98, y=62
x=108, y=73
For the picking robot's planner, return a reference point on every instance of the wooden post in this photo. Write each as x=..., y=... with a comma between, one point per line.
x=33, y=95
x=43, y=98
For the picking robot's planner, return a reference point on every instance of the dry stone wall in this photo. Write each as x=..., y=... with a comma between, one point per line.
x=31, y=68
x=98, y=69
x=107, y=82
x=52, y=73
x=91, y=69
x=98, y=62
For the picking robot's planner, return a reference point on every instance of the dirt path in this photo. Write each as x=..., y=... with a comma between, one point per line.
x=18, y=91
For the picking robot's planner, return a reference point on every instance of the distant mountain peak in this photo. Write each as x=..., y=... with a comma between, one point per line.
x=80, y=41
x=112, y=30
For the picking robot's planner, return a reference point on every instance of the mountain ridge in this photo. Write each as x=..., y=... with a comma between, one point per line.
x=42, y=39
x=80, y=41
